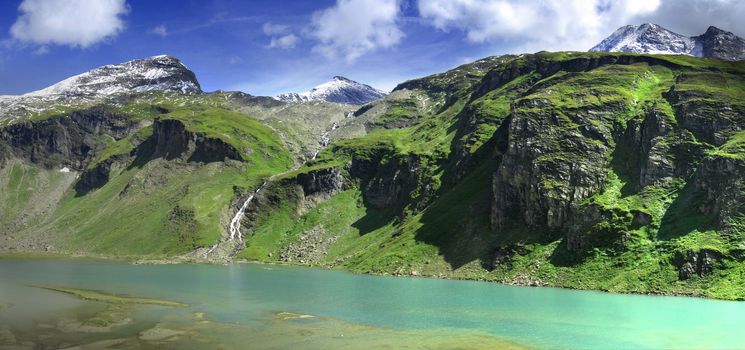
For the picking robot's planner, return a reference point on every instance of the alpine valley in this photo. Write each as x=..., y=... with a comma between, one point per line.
x=615, y=171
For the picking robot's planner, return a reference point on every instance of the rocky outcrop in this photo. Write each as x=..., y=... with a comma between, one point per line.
x=322, y=184
x=172, y=140
x=655, y=151
x=696, y=263
x=710, y=120
x=303, y=191
x=393, y=181
x=720, y=180
x=548, y=167
x=64, y=141
x=649, y=143
x=94, y=178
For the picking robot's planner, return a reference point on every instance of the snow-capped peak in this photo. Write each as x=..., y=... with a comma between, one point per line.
x=162, y=73
x=340, y=90
x=654, y=39
x=646, y=38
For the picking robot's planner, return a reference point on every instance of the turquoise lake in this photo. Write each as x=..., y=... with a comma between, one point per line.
x=262, y=306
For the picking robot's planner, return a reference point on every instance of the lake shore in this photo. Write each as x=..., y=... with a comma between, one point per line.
x=183, y=260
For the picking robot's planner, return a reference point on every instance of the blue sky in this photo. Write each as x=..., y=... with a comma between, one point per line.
x=267, y=47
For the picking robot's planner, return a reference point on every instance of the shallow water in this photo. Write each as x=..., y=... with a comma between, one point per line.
x=237, y=306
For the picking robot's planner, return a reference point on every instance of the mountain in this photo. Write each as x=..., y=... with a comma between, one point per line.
x=717, y=43
x=654, y=39
x=618, y=172
x=161, y=73
x=157, y=73
x=646, y=38
x=338, y=90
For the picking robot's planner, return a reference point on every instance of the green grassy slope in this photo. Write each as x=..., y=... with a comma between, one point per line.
x=149, y=206
x=440, y=225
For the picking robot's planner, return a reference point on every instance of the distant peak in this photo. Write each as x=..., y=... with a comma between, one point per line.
x=339, y=90
x=654, y=39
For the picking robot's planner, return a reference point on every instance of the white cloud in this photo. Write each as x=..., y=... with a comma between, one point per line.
x=352, y=28
x=272, y=29
x=280, y=35
x=284, y=42
x=75, y=23
x=160, y=30
x=544, y=25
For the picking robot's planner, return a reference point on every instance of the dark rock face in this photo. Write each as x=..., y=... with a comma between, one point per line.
x=388, y=181
x=656, y=151
x=72, y=141
x=63, y=141
x=172, y=140
x=324, y=181
x=654, y=165
x=94, y=178
x=696, y=263
x=721, y=182
x=710, y=121
x=717, y=43
x=536, y=184
x=547, y=169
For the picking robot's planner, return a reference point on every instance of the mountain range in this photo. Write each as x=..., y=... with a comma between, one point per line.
x=609, y=171
x=654, y=39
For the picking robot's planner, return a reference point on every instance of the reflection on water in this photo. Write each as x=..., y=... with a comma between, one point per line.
x=244, y=306
x=97, y=325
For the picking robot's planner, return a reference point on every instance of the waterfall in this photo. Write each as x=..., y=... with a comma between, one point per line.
x=325, y=139
x=235, y=223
